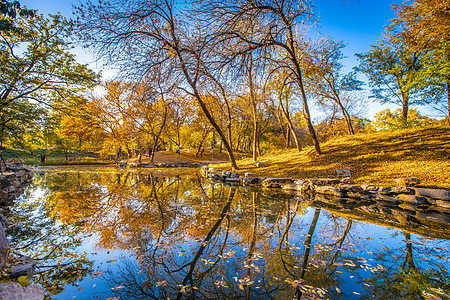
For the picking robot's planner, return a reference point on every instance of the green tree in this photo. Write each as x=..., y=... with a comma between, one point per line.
x=391, y=69
x=37, y=70
x=424, y=25
x=9, y=11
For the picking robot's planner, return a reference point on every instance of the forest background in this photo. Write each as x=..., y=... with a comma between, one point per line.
x=248, y=77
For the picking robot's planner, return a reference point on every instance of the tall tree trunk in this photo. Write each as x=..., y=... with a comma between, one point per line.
x=288, y=137
x=155, y=143
x=405, y=107
x=251, y=247
x=448, y=101
x=298, y=75
x=205, y=244
x=308, y=241
x=255, y=140
x=408, y=265
x=311, y=129
x=345, y=113
x=348, y=119
x=254, y=110
x=284, y=129
x=289, y=122
x=204, y=135
x=193, y=84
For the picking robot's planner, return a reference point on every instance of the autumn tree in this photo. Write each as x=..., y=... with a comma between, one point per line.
x=326, y=83
x=387, y=120
x=285, y=90
x=182, y=112
x=143, y=36
x=151, y=103
x=83, y=128
x=111, y=112
x=255, y=69
x=424, y=26
x=273, y=25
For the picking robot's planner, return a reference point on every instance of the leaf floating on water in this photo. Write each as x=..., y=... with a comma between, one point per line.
x=221, y=283
x=118, y=287
x=184, y=288
x=181, y=253
x=161, y=283
x=338, y=290
x=23, y=280
x=110, y=261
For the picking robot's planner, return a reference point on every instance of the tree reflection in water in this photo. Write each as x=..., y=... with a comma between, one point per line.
x=201, y=240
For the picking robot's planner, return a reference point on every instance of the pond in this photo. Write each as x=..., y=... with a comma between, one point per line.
x=120, y=234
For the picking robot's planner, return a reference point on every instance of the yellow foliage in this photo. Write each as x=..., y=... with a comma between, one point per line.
x=379, y=158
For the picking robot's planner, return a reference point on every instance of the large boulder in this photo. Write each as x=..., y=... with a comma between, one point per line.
x=443, y=203
x=14, y=291
x=4, y=242
x=440, y=194
x=274, y=182
x=292, y=186
x=384, y=198
x=324, y=181
x=412, y=199
x=328, y=190
x=343, y=172
x=407, y=181
x=349, y=188
x=347, y=180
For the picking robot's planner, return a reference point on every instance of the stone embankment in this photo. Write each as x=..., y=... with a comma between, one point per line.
x=407, y=191
x=13, y=180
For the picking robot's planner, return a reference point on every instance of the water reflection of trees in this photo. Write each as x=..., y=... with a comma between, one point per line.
x=37, y=233
x=209, y=241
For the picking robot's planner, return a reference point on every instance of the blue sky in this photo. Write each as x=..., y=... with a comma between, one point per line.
x=358, y=23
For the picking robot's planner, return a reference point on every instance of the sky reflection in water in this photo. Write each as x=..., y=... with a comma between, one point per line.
x=135, y=235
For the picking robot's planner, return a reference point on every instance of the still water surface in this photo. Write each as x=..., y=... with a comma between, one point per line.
x=109, y=234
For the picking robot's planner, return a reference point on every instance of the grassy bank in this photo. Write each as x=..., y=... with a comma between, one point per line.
x=53, y=157
x=372, y=158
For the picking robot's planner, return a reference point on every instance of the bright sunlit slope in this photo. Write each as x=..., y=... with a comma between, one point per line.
x=372, y=158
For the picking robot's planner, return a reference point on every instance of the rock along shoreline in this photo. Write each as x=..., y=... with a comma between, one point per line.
x=12, y=183
x=406, y=192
